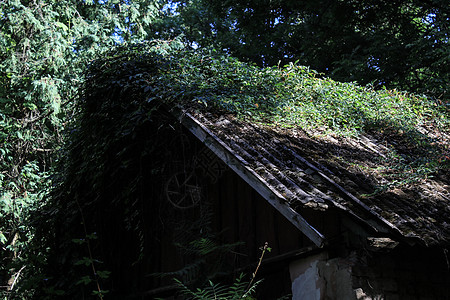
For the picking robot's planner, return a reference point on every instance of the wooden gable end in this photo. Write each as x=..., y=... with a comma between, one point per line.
x=239, y=166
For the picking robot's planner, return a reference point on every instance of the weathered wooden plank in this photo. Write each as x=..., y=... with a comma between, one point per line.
x=267, y=175
x=285, y=183
x=241, y=167
x=349, y=196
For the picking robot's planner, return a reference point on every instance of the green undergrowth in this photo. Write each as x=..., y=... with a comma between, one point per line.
x=282, y=96
x=292, y=95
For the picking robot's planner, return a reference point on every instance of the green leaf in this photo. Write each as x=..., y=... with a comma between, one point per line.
x=84, y=280
x=62, y=25
x=3, y=239
x=92, y=236
x=103, y=274
x=79, y=241
x=84, y=261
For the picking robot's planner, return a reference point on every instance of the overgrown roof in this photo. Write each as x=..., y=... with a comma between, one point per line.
x=325, y=172
x=306, y=136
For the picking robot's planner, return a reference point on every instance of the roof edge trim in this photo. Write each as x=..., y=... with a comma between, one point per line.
x=238, y=165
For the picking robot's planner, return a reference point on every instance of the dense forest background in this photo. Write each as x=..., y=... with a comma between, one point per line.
x=47, y=46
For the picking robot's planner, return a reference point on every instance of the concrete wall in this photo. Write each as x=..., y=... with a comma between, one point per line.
x=405, y=273
x=317, y=278
x=306, y=282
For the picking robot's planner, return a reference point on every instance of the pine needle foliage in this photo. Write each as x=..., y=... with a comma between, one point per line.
x=45, y=47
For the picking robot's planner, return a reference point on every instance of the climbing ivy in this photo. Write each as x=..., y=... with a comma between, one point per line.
x=45, y=47
x=117, y=150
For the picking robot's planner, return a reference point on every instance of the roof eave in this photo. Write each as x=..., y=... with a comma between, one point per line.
x=238, y=165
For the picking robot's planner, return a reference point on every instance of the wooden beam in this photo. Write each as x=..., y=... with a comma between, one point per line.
x=242, y=168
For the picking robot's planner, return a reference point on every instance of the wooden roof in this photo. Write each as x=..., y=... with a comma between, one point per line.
x=293, y=170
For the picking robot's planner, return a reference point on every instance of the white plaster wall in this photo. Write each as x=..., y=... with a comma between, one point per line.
x=305, y=285
x=306, y=282
x=319, y=278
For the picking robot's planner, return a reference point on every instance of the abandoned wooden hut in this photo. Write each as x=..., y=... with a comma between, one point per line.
x=191, y=190
x=279, y=186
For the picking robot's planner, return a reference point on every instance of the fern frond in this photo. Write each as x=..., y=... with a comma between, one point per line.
x=237, y=291
x=187, y=273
